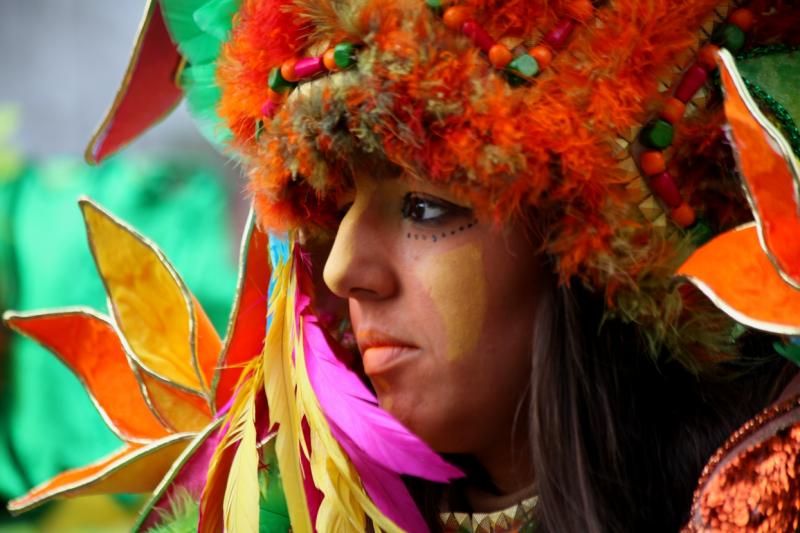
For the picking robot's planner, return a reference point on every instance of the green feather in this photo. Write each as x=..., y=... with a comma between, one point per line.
x=790, y=351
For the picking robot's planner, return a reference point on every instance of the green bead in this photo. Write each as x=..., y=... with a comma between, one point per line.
x=343, y=54
x=730, y=37
x=701, y=232
x=435, y=5
x=657, y=134
x=525, y=65
x=277, y=83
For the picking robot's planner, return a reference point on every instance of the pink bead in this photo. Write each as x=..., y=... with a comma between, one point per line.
x=664, y=187
x=269, y=108
x=693, y=79
x=474, y=31
x=558, y=35
x=308, y=67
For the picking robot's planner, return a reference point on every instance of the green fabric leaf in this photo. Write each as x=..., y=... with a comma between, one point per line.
x=790, y=351
x=779, y=75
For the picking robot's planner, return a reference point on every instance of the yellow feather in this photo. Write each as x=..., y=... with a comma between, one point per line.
x=346, y=504
x=241, y=492
x=279, y=384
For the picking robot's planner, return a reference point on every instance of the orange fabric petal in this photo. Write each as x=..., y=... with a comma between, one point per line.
x=770, y=172
x=89, y=346
x=135, y=468
x=152, y=307
x=179, y=409
x=248, y=323
x=733, y=271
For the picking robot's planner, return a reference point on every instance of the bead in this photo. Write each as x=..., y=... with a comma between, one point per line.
x=478, y=35
x=525, y=66
x=435, y=5
x=657, y=134
x=287, y=70
x=673, y=110
x=343, y=54
x=277, y=83
x=269, y=108
x=500, y=55
x=707, y=57
x=558, y=35
x=730, y=37
x=692, y=80
x=455, y=17
x=652, y=162
x=683, y=215
x=580, y=10
x=701, y=232
x=308, y=67
x=743, y=18
x=542, y=55
x=329, y=61
x=664, y=187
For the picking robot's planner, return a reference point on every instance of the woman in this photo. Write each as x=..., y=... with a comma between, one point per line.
x=494, y=189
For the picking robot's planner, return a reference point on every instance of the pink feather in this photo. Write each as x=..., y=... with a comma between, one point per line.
x=379, y=446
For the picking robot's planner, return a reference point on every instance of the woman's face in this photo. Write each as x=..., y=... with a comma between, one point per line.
x=442, y=306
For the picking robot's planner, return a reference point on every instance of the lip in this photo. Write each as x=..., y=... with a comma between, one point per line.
x=382, y=352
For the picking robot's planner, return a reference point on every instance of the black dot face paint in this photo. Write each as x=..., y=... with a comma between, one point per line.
x=440, y=236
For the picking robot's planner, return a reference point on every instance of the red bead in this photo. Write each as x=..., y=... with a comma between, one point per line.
x=693, y=79
x=673, y=110
x=664, y=187
x=308, y=67
x=455, y=17
x=743, y=18
x=707, y=57
x=558, y=35
x=652, y=162
x=474, y=31
x=542, y=55
x=683, y=215
x=500, y=55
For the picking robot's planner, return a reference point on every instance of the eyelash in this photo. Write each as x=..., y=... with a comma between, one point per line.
x=415, y=202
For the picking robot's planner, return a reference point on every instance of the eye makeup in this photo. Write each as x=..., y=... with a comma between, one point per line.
x=433, y=219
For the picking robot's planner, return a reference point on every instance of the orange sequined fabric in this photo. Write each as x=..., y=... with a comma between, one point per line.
x=752, y=483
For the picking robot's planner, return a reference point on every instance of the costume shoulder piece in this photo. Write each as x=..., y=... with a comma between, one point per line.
x=752, y=483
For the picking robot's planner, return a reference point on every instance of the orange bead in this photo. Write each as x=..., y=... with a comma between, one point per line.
x=707, y=57
x=542, y=55
x=683, y=215
x=673, y=110
x=329, y=60
x=580, y=10
x=652, y=162
x=500, y=55
x=743, y=18
x=287, y=70
x=455, y=17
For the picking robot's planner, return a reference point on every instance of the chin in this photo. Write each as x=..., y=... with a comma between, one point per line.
x=432, y=430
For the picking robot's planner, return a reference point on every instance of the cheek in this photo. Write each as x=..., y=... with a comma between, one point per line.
x=455, y=282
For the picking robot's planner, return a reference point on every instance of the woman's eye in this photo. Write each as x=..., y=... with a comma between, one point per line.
x=424, y=209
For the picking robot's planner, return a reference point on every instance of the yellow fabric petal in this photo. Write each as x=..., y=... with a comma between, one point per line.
x=152, y=307
x=735, y=273
x=136, y=468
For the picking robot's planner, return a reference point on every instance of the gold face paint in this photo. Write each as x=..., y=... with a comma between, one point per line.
x=456, y=282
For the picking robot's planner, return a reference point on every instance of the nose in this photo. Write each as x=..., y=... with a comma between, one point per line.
x=360, y=265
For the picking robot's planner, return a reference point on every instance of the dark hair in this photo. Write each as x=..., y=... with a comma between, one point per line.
x=618, y=440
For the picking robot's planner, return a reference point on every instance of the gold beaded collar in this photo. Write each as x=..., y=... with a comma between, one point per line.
x=509, y=519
